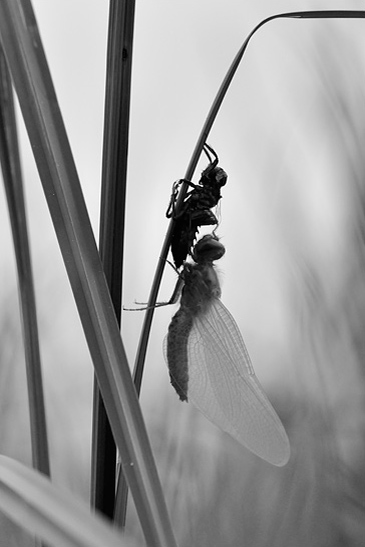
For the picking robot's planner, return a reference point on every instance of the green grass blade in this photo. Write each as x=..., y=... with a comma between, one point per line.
x=34, y=503
x=10, y=163
x=30, y=73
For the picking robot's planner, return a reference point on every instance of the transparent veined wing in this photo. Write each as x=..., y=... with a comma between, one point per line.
x=223, y=386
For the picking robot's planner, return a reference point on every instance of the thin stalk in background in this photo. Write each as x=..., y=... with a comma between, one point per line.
x=146, y=328
x=27, y=63
x=111, y=238
x=12, y=175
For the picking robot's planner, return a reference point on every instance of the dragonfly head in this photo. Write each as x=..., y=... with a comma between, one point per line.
x=208, y=249
x=213, y=177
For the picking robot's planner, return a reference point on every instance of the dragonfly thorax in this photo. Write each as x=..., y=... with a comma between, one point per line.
x=201, y=286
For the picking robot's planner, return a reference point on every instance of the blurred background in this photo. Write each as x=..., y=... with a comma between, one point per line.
x=291, y=136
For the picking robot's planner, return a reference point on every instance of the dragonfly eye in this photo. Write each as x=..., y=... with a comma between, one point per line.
x=208, y=249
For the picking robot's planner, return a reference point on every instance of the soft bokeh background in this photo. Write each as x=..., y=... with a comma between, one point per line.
x=291, y=135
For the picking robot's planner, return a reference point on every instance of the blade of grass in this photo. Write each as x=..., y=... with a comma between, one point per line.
x=146, y=328
x=28, y=66
x=112, y=213
x=10, y=164
x=34, y=503
x=116, y=133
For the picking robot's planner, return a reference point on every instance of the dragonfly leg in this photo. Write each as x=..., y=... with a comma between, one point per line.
x=174, y=297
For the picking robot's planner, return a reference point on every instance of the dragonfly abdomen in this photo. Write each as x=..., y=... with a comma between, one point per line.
x=177, y=355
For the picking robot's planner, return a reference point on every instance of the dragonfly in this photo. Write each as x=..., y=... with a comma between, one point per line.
x=196, y=207
x=209, y=364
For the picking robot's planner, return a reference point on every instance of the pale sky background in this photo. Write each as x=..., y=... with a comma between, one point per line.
x=281, y=193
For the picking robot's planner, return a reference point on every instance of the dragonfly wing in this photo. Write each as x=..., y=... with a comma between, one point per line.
x=223, y=386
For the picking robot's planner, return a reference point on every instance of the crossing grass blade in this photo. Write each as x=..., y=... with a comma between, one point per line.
x=37, y=98
x=33, y=502
x=12, y=175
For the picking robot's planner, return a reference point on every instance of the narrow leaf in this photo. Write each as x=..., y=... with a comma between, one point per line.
x=33, y=502
x=12, y=175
